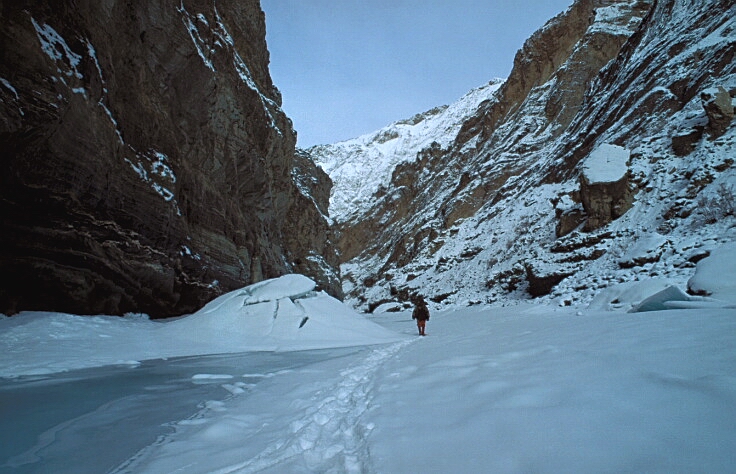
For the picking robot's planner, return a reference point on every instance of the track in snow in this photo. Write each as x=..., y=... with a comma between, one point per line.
x=330, y=435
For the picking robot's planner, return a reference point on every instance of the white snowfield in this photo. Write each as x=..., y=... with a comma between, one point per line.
x=524, y=388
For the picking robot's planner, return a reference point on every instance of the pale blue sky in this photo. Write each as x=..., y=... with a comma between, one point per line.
x=348, y=67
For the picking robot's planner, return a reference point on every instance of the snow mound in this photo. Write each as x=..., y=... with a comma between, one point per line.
x=283, y=314
x=287, y=286
x=280, y=314
x=606, y=164
x=715, y=275
x=713, y=286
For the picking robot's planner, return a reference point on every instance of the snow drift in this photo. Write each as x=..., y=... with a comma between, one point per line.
x=716, y=275
x=711, y=287
x=280, y=314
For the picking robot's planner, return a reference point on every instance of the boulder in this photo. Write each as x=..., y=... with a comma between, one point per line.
x=543, y=280
x=719, y=108
x=569, y=213
x=684, y=142
x=605, y=187
x=569, y=221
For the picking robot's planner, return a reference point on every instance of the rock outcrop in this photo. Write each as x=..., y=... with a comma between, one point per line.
x=719, y=112
x=146, y=163
x=718, y=107
x=307, y=231
x=605, y=187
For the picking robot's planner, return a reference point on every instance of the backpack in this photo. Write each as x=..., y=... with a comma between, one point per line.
x=421, y=312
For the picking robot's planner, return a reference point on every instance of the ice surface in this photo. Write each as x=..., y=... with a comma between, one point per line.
x=530, y=388
x=523, y=388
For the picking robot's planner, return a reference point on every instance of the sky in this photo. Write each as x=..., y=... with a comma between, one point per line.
x=349, y=67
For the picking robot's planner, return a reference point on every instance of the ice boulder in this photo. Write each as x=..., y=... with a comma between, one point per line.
x=669, y=298
x=715, y=275
x=287, y=286
x=629, y=295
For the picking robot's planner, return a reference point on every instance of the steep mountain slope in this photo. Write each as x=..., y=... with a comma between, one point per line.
x=504, y=211
x=146, y=163
x=361, y=166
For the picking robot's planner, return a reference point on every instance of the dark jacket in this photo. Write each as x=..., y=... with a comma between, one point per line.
x=421, y=312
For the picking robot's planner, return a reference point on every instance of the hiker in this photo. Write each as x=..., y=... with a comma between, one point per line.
x=421, y=314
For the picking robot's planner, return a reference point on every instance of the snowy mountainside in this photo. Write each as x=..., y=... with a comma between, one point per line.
x=360, y=166
x=498, y=217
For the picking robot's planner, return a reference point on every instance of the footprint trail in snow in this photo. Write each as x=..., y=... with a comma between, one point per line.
x=330, y=436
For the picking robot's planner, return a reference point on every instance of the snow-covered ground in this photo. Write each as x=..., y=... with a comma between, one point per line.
x=275, y=315
x=522, y=388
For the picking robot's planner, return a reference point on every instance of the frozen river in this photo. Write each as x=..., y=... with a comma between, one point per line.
x=93, y=420
x=524, y=388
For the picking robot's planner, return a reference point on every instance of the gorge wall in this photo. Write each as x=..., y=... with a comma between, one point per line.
x=496, y=212
x=146, y=163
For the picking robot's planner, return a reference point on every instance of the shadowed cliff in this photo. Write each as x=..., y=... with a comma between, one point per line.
x=146, y=163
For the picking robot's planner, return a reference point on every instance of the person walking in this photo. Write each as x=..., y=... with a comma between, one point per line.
x=421, y=314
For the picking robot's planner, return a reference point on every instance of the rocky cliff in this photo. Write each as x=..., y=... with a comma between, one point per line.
x=498, y=212
x=146, y=163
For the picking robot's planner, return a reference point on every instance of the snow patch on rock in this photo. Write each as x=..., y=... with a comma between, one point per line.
x=607, y=164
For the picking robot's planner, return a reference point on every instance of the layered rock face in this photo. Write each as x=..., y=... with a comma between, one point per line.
x=146, y=163
x=499, y=213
